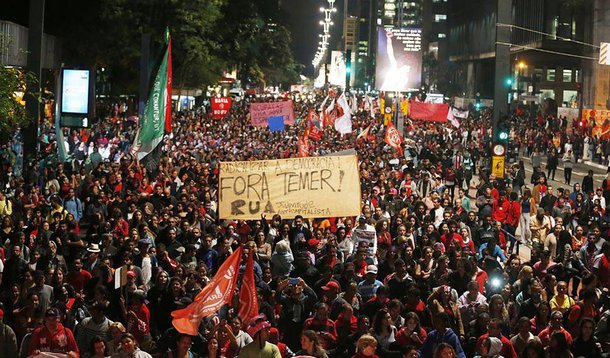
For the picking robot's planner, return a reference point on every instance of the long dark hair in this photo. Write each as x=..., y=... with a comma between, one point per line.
x=95, y=340
x=313, y=336
x=379, y=319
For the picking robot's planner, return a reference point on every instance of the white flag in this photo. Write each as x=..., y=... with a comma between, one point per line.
x=452, y=118
x=343, y=124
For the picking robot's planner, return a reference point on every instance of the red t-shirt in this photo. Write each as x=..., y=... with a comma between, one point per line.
x=78, y=279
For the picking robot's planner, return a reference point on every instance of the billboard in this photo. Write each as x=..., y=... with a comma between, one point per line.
x=336, y=77
x=75, y=91
x=76, y=97
x=399, y=59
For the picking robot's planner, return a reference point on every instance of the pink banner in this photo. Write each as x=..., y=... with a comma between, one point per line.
x=260, y=112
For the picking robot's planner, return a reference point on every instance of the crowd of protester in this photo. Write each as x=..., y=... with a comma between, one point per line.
x=450, y=276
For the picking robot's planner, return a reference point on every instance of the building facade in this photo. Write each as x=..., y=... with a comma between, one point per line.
x=547, y=46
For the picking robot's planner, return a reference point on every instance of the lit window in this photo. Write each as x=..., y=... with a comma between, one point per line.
x=550, y=75
x=442, y=36
x=567, y=75
x=440, y=17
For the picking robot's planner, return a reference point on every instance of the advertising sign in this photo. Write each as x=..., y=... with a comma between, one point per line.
x=399, y=59
x=75, y=91
x=311, y=186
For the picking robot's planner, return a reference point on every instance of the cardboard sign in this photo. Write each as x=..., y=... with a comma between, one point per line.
x=221, y=106
x=260, y=112
x=313, y=187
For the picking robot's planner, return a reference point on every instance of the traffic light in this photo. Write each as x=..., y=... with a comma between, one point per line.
x=477, y=103
x=509, y=81
x=503, y=129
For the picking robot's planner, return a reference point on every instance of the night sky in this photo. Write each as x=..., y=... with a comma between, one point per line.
x=304, y=18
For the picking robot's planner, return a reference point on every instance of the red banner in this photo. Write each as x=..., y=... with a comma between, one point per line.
x=436, y=112
x=248, y=297
x=393, y=138
x=221, y=107
x=218, y=292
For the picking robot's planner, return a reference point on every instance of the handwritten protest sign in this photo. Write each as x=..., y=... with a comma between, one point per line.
x=260, y=112
x=312, y=187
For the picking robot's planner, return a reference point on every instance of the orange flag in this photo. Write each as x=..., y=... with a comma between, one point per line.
x=248, y=297
x=214, y=295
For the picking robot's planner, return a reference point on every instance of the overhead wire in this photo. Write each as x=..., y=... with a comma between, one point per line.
x=546, y=51
x=499, y=24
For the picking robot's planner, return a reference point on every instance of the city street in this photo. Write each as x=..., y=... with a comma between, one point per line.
x=578, y=173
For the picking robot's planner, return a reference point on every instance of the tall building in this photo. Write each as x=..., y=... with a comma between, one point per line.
x=546, y=43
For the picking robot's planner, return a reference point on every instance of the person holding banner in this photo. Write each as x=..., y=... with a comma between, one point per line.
x=53, y=337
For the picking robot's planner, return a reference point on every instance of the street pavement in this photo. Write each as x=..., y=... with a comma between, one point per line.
x=579, y=171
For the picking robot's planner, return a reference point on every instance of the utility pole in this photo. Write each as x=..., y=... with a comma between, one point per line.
x=34, y=65
x=502, y=59
x=499, y=135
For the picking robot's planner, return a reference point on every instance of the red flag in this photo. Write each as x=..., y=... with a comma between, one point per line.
x=365, y=133
x=168, y=87
x=213, y=296
x=393, y=138
x=315, y=125
x=248, y=297
x=303, y=146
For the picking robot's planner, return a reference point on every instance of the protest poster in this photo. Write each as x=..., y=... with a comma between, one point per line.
x=260, y=112
x=221, y=106
x=310, y=186
x=369, y=236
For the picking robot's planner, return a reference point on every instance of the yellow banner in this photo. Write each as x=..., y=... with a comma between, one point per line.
x=313, y=187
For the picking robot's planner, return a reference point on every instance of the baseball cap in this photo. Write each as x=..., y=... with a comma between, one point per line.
x=371, y=269
x=51, y=312
x=331, y=285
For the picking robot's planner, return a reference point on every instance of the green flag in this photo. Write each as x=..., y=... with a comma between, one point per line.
x=158, y=109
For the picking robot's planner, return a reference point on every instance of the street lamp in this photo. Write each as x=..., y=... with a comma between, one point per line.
x=521, y=66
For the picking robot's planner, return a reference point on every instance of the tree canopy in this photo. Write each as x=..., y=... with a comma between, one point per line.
x=208, y=36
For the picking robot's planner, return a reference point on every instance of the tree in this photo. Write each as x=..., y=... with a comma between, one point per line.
x=15, y=85
x=258, y=43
